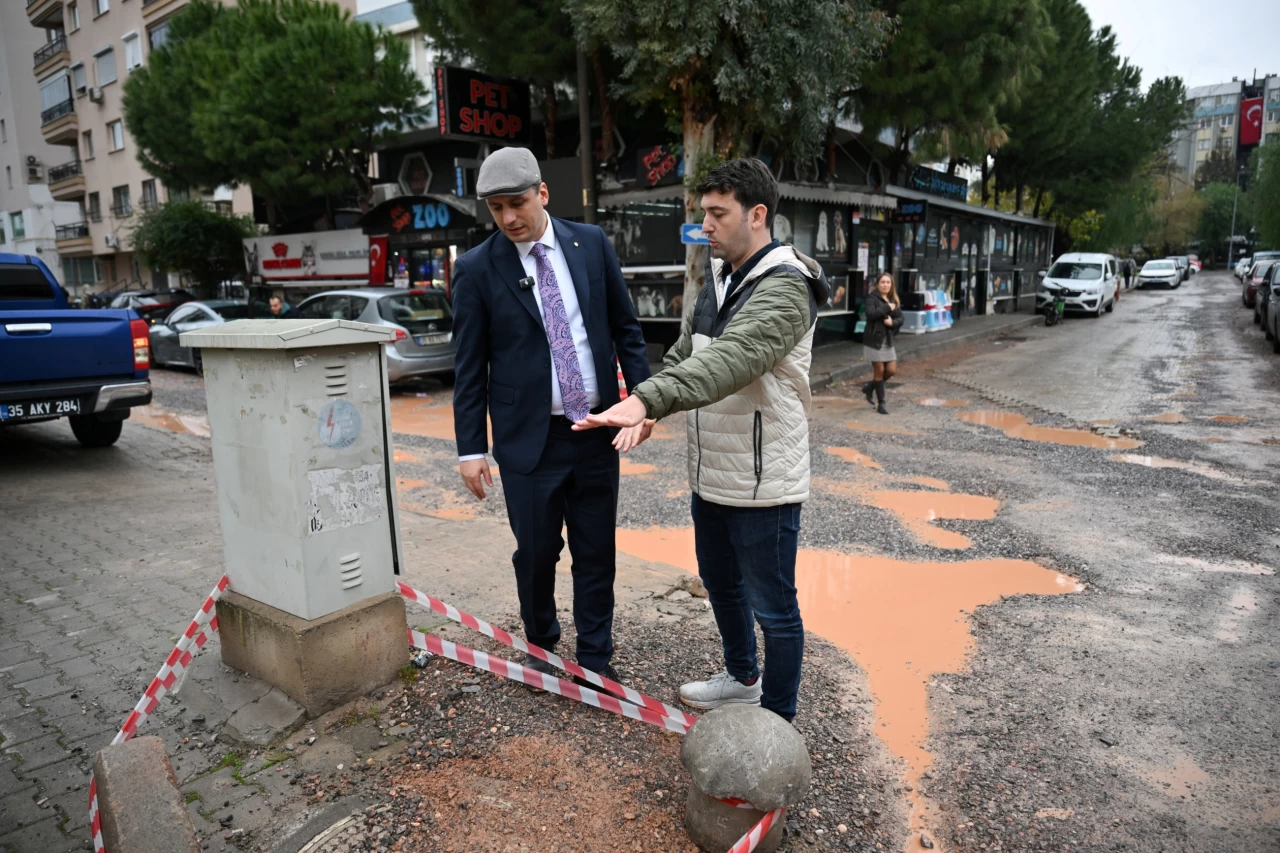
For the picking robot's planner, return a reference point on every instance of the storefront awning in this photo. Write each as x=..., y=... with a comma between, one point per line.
x=981, y=212
x=828, y=195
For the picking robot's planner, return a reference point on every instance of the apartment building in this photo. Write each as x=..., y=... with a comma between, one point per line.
x=29, y=215
x=1271, y=114
x=90, y=49
x=397, y=18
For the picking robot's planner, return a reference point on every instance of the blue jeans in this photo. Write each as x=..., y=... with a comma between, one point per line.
x=747, y=561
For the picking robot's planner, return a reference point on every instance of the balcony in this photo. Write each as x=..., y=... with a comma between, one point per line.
x=66, y=182
x=54, y=56
x=58, y=124
x=74, y=239
x=45, y=13
x=156, y=8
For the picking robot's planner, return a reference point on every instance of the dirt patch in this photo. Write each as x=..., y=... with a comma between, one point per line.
x=542, y=791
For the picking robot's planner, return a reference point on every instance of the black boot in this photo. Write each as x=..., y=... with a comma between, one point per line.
x=869, y=388
x=880, y=398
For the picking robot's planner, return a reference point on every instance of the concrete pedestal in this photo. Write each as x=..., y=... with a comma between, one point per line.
x=320, y=663
x=139, y=802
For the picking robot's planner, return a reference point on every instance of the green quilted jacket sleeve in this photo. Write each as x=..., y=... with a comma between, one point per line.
x=773, y=321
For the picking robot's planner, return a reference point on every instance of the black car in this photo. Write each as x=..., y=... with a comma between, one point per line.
x=152, y=305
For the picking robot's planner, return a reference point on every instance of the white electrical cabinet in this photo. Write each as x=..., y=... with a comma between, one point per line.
x=301, y=431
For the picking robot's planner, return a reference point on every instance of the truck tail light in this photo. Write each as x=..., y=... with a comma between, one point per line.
x=138, y=330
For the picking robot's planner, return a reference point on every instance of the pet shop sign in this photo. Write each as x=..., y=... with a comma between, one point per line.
x=307, y=257
x=472, y=105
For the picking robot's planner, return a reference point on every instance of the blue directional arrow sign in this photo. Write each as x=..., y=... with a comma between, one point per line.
x=691, y=232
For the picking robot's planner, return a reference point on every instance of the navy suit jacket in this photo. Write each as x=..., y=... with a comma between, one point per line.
x=503, y=363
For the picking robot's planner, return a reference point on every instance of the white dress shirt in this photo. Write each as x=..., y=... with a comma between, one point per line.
x=577, y=328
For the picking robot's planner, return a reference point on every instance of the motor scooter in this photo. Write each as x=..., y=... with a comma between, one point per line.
x=1055, y=308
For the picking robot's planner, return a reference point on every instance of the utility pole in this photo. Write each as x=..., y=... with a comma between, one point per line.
x=585, y=155
x=1231, y=238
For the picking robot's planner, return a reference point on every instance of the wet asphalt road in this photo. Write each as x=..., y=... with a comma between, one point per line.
x=1138, y=714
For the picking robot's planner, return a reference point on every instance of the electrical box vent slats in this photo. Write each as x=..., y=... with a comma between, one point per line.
x=350, y=572
x=335, y=379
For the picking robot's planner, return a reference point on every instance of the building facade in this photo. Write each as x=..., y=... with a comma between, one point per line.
x=29, y=215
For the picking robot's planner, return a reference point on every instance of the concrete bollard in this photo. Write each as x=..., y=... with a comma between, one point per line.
x=141, y=808
x=741, y=752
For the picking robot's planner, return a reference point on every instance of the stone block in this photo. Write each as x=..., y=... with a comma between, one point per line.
x=141, y=808
x=746, y=752
x=320, y=663
x=715, y=827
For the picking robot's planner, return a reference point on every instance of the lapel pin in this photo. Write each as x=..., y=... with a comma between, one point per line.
x=575, y=243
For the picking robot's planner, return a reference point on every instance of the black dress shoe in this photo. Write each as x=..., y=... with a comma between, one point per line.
x=538, y=665
x=608, y=672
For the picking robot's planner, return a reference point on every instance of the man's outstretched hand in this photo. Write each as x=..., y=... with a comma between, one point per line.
x=629, y=438
x=630, y=412
x=475, y=473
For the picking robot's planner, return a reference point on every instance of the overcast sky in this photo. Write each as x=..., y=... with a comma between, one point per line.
x=1201, y=41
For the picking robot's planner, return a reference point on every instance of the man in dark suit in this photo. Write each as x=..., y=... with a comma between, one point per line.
x=540, y=311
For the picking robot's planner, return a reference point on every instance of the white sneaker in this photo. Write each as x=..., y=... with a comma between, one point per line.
x=720, y=689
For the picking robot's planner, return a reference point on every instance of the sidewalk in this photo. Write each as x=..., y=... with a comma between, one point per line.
x=841, y=361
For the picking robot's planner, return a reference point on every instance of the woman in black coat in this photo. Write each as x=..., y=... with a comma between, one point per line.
x=884, y=318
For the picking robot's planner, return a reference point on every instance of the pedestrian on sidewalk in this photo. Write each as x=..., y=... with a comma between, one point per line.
x=741, y=368
x=539, y=310
x=884, y=318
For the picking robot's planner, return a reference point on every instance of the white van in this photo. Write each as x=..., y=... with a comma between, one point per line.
x=1088, y=282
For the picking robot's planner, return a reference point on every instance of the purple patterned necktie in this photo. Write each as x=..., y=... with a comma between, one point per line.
x=568, y=372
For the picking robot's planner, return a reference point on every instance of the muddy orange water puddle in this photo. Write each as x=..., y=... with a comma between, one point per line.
x=1016, y=426
x=902, y=621
x=628, y=468
x=1169, y=418
x=946, y=404
x=404, y=456
x=1228, y=419
x=1157, y=462
x=427, y=417
x=172, y=421
x=1181, y=779
x=917, y=509
x=404, y=484
x=848, y=454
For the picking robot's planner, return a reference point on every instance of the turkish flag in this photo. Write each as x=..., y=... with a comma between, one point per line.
x=1251, y=121
x=378, y=260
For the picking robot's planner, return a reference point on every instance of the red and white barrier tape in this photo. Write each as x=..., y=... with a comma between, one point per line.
x=752, y=839
x=622, y=383
x=196, y=635
x=633, y=696
x=549, y=683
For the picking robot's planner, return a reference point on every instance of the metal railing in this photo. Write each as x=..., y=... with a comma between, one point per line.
x=93, y=214
x=148, y=204
x=122, y=211
x=65, y=171
x=146, y=3
x=71, y=232
x=57, y=111
x=51, y=49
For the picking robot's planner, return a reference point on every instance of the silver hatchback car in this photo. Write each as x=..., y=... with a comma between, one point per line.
x=422, y=319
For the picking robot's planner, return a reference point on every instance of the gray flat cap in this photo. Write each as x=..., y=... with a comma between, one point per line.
x=508, y=171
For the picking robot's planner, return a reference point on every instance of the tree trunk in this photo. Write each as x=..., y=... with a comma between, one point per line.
x=986, y=195
x=271, y=216
x=1035, y=211
x=699, y=132
x=1017, y=198
x=606, y=111
x=831, y=154
x=550, y=112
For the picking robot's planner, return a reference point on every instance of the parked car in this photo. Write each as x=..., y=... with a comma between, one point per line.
x=422, y=319
x=165, y=347
x=1196, y=266
x=1242, y=266
x=1184, y=266
x=1251, y=283
x=89, y=366
x=1163, y=272
x=1263, y=297
x=1271, y=320
x=151, y=305
x=1087, y=281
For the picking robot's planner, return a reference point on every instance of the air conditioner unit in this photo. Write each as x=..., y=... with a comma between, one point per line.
x=384, y=192
x=33, y=160
x=35, y=174
x=112, y=241
x=95, y=94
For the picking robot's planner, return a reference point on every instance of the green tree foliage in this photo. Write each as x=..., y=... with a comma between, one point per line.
x=289, y=96
x=734, y=76
x=190, y=238
x=1219, y=168
x=1264, y=194
x=527, y=39
x=1220, y=203
x=1046, y=120
x=949, y=69
x=1175, y=217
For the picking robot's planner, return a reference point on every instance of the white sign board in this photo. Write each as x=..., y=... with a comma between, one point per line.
x=334, y=258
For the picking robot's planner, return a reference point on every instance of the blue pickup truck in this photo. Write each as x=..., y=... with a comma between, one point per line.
x=89, y=366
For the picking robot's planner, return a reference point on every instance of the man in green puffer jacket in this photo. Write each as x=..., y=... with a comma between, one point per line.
x=741, y=368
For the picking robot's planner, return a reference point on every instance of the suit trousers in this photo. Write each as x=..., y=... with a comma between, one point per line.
x=573, y=486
